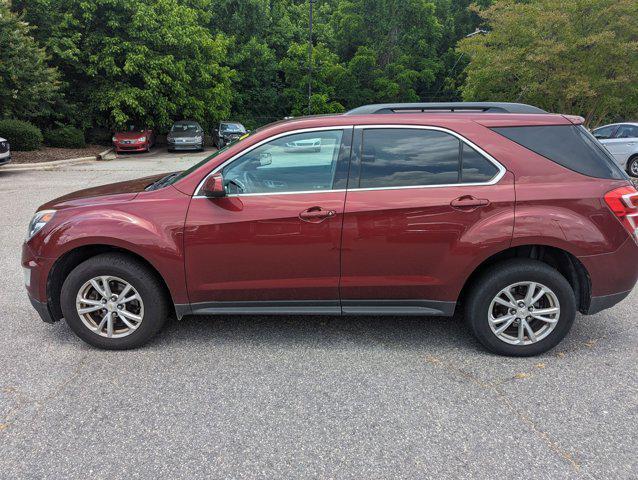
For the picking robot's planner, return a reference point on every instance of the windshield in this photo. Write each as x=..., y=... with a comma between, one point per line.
x=232, y=127
x=184, y=127
x=185, y=173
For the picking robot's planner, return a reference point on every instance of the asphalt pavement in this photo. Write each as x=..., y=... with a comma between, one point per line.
x=299, y=397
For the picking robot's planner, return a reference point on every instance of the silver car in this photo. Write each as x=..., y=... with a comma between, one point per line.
x=621, y=139
x=5, y=152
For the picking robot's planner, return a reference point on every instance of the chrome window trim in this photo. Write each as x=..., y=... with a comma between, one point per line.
x=493, y=181
x=501, y=169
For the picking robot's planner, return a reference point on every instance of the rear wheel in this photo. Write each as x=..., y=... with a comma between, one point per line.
x=632, y=166
x=521, y=307
x=113, y=301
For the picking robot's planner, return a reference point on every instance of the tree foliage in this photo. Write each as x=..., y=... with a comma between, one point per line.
x=28, y=86
x=577, y=56
x=155, y=61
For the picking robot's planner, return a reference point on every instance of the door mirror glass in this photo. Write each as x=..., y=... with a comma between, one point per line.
x=214, y=186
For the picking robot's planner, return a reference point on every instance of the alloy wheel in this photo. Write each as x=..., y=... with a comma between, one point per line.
x=524, y=313
x=110, y=306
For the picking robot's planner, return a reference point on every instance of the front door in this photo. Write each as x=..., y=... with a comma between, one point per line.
x=272, y=244
x=421, y=205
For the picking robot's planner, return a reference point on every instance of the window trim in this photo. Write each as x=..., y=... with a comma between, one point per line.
x=259, y=144
x=355, y=157
x=359, y=139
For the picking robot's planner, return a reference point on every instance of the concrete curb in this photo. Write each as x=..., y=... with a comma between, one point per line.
x=54, y=164
x=102, y=156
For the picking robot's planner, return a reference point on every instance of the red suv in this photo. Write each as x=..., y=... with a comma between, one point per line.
x=518, y=216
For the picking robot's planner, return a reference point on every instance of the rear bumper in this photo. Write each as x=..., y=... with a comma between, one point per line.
x=598, y=304
x=613, y=275
x=5, y=160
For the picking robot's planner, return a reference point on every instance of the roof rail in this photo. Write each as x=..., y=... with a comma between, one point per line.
x=446, y=107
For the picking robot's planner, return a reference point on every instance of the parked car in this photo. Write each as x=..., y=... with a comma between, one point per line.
x=135, y=139
x=5, y=151
x=185, y=135
x=310, y=145
x=621, y=139
x=228, y=132
x=518, y=217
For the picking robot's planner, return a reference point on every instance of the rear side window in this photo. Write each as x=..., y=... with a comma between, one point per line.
x=571, y=146
x=397, y=157
x=475, y=167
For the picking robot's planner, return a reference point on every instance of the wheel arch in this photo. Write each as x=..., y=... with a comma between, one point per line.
x=72, y=258
x=565, y=262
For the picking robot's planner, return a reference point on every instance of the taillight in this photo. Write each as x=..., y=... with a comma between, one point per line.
x=623, y=202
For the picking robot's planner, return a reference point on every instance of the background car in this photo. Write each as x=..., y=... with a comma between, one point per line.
x=308, y=145
x=134, y=140
x=621, y=139
x=227, y=132
x=5, y=151
x=185, y=135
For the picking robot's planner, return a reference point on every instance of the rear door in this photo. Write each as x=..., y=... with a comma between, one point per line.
x=422, y=205
x=272, y=244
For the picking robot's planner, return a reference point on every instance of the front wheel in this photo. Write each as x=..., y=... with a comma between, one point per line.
x=521, y=308
x=113, y=301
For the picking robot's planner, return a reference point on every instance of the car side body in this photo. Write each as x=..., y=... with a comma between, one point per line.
x=621, y=139
x=347, y=249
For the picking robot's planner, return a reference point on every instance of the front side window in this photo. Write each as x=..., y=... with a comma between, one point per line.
x=294, y=163
x=604, y=133
x=404, y=157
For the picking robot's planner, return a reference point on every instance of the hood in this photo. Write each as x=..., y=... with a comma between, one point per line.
x=121, y=191
x=129, y=135
x=185, y=134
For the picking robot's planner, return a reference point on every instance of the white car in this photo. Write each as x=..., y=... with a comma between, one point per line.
x=5, y=152
x=621, y=139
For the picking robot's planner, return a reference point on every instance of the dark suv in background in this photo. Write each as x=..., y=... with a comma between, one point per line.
x=518, y=217
x=227, y=132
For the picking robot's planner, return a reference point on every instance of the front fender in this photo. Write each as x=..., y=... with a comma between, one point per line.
x=151, y=228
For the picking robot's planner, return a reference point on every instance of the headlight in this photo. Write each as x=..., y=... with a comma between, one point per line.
x=39, y=220
x=141, y=139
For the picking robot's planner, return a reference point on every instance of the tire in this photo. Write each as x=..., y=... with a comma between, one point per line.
x=632, y=166
x=154, y=310
x=516, y=272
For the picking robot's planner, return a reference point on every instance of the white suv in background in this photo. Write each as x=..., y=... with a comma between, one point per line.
x=621, y=139
x=5, y=153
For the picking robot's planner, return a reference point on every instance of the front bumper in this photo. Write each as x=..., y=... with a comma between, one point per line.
x=5, y=160
x=43, y=310
x=186, y=146
x=130, y=147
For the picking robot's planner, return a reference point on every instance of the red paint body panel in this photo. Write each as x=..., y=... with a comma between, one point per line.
x=256, y=248
x=381, y=244
x=411, y=244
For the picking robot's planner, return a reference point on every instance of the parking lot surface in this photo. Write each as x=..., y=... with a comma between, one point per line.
x=299, y=397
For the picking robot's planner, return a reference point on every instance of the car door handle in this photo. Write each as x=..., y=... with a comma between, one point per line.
x=316, y=214
x=468, y=202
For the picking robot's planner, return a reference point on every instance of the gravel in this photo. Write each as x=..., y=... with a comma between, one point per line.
x=300, y=397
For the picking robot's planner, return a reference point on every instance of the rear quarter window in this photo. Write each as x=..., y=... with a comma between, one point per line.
x=571, y=146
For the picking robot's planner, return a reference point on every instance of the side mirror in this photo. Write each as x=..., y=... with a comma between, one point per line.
x=214, y=186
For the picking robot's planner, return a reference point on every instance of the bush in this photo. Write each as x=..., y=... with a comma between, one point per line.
x=22, y=136
x=65, y=137
x=99, y=136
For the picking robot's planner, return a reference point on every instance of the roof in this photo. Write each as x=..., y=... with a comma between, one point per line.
x=442, y=107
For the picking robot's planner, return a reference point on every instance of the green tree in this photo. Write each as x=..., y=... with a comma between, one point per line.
x=146, y=61
x=28, y=86
x=578, y=56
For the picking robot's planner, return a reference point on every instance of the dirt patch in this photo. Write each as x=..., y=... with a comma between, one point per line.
x=49, y=154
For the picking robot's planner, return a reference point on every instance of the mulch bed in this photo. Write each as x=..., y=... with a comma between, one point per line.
x=49, y=154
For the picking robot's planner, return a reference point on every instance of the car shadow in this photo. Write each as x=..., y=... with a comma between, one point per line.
x=319, y=331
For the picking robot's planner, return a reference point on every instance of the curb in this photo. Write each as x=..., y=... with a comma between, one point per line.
x=16, y=167
x=102, y=155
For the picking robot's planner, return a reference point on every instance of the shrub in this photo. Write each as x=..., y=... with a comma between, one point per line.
x=65, y=137
x=22, y=136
